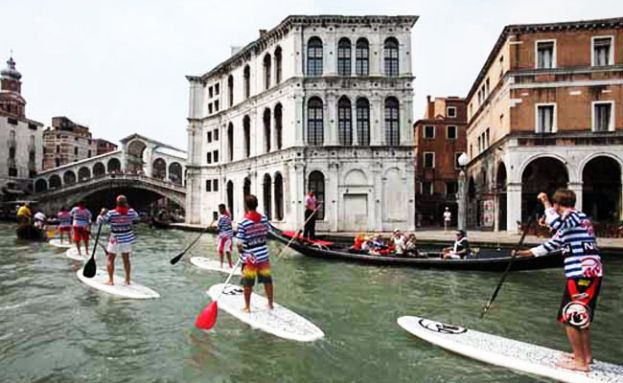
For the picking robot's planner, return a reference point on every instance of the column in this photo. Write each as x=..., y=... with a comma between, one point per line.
x=577, y=188
x=299, y=121
x=332, y=208
x=353, y=120
x=377, y=197
x=406, y=128
x=330, y=121
x=513, y=205
x=410, y=184
x=376, y=121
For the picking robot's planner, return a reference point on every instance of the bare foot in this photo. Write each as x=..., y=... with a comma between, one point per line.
x=270, y=306
x=246, y=310
x=127, y=282
x=109, y=283
x=570, y=356
x=572, y=365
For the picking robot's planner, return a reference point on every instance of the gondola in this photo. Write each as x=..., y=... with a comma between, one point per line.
x=31, y=233
x=485, y=260
x=158, y=224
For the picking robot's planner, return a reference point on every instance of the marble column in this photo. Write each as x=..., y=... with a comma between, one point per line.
x=513, y=205
x=577, y=188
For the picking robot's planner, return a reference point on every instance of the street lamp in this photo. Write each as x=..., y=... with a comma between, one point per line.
x=463, y=160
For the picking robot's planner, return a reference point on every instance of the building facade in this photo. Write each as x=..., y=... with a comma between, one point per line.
x=319, y=103
x=103, y=146
x=546, y=111
x=21, y=144
x=439, y=140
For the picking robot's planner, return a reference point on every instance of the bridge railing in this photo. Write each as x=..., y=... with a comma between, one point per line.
x=117, y=176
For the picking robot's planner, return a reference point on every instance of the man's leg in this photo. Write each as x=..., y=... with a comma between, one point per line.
x=86, y=242
x=110, y=267
x=77, y=241
x=228, y=260
x=247, y=298
x=268, y=288
x=312, y=225
x=126, y=266
x=578, y=362
x=586, y=345
x=307, y=223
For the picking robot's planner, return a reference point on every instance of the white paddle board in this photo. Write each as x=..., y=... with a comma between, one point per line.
x=279, y=321
x=72, y=253
x=57, y=243
x=212, y=265
x=133, y=290
x=512, y=354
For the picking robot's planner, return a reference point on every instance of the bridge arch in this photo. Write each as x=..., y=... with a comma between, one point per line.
x=69, y=177
x=84, y=173
x=159, y=169
x=41, y=185
x=114, y=165
x=134, y=156
x=175, y=173
x=99, y=169
x=55, y=181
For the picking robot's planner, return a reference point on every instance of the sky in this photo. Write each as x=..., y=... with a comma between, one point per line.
x=118, y=66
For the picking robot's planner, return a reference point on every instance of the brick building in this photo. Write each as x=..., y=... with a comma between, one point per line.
x=546, y=111
x=102, y=146
x=439, y=141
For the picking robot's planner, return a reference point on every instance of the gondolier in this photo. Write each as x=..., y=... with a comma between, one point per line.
x=310, y=215
x=583, y=270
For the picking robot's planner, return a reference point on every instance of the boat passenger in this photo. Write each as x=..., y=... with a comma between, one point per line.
x=460, y=249
x=411, y=246
x=252, y=235
x=39, y=220
x=583, y=270
x=81, y=225
x=64, y=223
x=225, y=234
x=399, y=243
x=121, y=220
x=24, y=215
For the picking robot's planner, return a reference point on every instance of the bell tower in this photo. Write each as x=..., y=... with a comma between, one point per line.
x=11, y=101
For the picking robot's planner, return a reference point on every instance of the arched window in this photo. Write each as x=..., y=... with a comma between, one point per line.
x=230, y=89
x=391, y=57
x=278, y=126
x=266, y=119
x=246, y=125
x=278, y=196
x=267, y=189
x=114, y=165
x=314, y=57
x=41, y=185
x=159, y=169
x=247, y=82
x=230, y=198
x=230, y=141
x=316, y=184
x=55, y=182
x=315, y=129
x=246, y=188
x=175, y=173
x=267, y=71
x=362, y=57
x=84, y=173
x=69, y=177
x=343, y=57
x=278, y=65
x=392, y=124
x=363, y=121
x=344, y=118
x=98, y=169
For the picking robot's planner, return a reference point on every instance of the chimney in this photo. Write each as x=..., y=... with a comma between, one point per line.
x=262, y=33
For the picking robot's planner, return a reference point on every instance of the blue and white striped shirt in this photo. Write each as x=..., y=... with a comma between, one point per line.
x=576, y=237
x=254, y=234
x=121, y=225
x=81, y=217
x=224, y=226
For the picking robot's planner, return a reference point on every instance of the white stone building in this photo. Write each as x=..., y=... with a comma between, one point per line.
x=318, y=102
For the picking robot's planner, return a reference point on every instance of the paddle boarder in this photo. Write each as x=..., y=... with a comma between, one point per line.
x=121, y=220
x=225, y=234
x=81, y=225
x=252, y=235
x=64, y=223
x=574, y=234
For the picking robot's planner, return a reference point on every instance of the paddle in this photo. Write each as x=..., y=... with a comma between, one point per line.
x=177, y=258
x=508, y=267
x=295, y=236
x=90, y=268
x=207, y=317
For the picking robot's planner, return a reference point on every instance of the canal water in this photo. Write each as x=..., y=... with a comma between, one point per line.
x=55, y=329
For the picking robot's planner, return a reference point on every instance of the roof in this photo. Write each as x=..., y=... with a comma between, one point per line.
x=147, y=139
x=540, y=28
x=295, y=20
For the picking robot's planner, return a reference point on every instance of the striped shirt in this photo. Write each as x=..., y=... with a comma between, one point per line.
x=575, y=236
x=121, y=226
x=253, y=235
x=64, y=218
x=224, y=226
x=81, y=217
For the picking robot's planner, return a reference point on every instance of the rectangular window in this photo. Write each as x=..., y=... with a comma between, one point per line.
x=12, y=172
x=452, y=132
x=215, y=185
x=210, y=108
x=215, y=134
x=429, y=160
x=602, y=51
x=487, y=137
x=545, y=54
x=480, y=144
x=209, y=137
x=217, y=88
x=427, y=188
x=32, y=126
x=452, y=187
x=216, y=106
x=12, y=121
x=89, y=154
x=215, y=156
x=602, y=117
x=545, y=119
x=209, y=158
x=429, y=132
x=451, y=111
x=210, y=94
x=456, y=160
x=208, y=185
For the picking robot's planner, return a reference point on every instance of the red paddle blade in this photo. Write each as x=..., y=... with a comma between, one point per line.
x=207, y=317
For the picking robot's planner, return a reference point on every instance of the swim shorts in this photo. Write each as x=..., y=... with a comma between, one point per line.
x=251, y=271
x=578, y=302
x=224, y=244
x=115, y=247
x=81, y=234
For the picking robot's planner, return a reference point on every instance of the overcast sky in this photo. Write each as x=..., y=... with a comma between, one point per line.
x=119, y=65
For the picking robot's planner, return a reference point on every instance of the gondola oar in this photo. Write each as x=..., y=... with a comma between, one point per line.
x=487, y=306
x=177, y=258
x=90, y=268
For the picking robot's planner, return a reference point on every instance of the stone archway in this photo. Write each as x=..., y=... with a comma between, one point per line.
x=267, y=195
x=41, y=185
x=99, y=169
x=230, y=198
x=159, y=169
x=84, y=174
x=601, y=191
x=134, y=156
x=175, y=173
x=543, y=174
x=55, y=181
x=69, y=177
x=501, y=180
x=114, y=165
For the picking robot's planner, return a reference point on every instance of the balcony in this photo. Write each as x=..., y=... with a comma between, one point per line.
x=583, y=138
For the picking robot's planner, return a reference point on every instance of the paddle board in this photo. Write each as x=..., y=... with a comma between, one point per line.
x=57, y=243
x=72, y=253
x=212, y=265
x=279, y=321
x=512, y=354
x=133, y=291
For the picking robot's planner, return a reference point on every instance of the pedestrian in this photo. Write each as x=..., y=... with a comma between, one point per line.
x=447, y=217
x=225, y=234
x=81, y=225
x=252, y=235
x=64, y=223
x=121, y=220
x=310, y=215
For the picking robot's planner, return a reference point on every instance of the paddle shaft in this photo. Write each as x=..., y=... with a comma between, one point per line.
x=508, y=267
x=231, y=274
x=175, y=259
x=90, y=268
x=300, y=228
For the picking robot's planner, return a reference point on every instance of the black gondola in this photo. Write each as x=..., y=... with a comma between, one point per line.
x=31, y=233
x=158, y=224
x=485, y=260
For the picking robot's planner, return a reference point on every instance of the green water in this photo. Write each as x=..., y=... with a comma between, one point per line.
x=55, y=329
